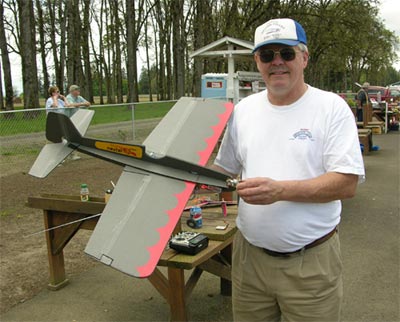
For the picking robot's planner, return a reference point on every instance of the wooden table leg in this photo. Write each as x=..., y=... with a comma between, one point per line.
x=226, y=285
x=177, y=294
x=56, y=261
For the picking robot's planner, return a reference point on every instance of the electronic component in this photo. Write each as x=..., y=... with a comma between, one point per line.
x=189, y=242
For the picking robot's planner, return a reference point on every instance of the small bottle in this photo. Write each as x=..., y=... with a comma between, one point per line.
x=84, y=192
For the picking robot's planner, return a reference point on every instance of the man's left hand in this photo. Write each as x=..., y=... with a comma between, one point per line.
x=260, y=191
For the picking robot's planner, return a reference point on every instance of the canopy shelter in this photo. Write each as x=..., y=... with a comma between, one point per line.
x=229, y=48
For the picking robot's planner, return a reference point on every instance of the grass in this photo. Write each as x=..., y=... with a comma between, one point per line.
x=21, y=123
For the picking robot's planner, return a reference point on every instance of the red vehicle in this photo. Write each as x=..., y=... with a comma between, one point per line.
x=388, y=94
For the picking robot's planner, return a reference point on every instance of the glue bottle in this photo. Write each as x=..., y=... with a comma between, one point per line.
x=84, y=192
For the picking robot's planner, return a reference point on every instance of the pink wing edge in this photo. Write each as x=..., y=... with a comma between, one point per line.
x=174, y=214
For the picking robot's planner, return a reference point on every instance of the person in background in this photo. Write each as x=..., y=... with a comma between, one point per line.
x=74, y=99
x=56, y=102
x=297, y=152
x=362, y=99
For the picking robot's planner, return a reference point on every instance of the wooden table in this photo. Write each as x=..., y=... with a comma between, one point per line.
x=215, y=259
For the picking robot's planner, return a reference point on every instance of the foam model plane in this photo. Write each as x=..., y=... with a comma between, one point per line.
x=157, y=180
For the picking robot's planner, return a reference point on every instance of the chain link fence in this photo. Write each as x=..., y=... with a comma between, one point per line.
x=22, y=132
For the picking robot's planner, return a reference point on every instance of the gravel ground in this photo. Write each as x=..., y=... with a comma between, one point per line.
x=369, y=234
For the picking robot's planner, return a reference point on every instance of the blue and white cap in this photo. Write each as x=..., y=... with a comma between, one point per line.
x=279, y=31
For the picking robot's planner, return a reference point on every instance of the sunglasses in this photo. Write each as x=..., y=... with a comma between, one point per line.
x=268, y=55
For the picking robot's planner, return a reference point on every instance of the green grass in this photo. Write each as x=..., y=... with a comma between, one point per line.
x=20, y=124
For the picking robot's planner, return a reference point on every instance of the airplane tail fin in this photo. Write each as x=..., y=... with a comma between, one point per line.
x=59, y=126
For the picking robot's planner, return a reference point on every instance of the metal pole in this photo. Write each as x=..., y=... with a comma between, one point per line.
x=133, y=121
x=386, y=117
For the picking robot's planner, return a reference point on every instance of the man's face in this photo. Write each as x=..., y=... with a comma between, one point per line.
x=75, y=92
x=282, y=76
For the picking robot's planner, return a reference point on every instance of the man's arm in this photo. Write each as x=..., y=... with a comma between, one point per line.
x=222, y=170
x=325, y=188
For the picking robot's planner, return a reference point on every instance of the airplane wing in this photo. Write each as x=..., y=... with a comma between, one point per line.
x=144, y=208
x=54, y=153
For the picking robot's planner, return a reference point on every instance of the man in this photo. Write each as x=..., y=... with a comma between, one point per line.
x=362, y=99
x=297, y=151
x=74, y=99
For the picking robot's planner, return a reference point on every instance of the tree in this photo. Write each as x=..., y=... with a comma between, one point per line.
x=88, y=89
x=57, y=28
x=134, y=20
x=178, y=50
x=42, y=49
x=6, y=66
x=74, y=61
x=28, y=54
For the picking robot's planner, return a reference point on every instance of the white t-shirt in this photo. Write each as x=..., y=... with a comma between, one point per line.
x=315, y=135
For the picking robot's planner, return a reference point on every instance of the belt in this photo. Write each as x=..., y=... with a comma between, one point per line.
x=315, y=243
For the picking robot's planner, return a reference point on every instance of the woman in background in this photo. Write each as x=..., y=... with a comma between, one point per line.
x=56, y=102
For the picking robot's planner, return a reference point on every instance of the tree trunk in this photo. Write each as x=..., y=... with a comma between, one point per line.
x=161, y=84
x=156, y=44
x=6, y=66
x=28, y=54
x=63, y=41
x=146, y=41
x=117, y=61
x=131, y=35
x=42, y=43
x=88, y=89
x=178, y=48
x=169, y=81
x=74, y=62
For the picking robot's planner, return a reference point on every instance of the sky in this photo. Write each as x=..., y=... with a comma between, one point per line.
x=389, y=11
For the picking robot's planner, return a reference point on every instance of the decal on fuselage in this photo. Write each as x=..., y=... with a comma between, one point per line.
x=125, y=149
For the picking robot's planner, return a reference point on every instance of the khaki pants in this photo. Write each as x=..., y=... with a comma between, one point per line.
x=305, y=287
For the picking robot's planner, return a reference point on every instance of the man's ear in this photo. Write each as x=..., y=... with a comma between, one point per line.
x=257, y=61
x=306, y=57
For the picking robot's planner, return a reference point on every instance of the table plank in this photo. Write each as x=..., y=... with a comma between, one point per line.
x=66, y=205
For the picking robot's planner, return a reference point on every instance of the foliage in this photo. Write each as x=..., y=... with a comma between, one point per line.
x=96, y=43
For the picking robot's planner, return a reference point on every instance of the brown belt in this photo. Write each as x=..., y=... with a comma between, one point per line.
x=315, y=243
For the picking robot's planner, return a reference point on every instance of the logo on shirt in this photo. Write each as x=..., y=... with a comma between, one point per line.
x=303, y=134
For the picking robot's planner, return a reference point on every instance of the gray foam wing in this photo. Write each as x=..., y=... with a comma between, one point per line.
x=137, y=222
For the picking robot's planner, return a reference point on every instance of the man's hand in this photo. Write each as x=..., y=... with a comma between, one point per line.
x=325, y=188
x=260, y=191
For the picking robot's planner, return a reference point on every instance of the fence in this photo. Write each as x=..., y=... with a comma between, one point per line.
x=22, y=132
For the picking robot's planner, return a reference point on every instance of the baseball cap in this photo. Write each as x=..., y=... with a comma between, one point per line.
x=74, y=88
x=366, y=84
x=283, y=31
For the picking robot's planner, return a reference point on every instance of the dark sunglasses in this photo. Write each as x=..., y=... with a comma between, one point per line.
x=268, y=55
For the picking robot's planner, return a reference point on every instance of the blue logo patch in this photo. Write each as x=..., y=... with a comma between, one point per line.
x=303, y=134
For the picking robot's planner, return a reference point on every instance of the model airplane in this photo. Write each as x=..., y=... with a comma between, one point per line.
x=133, y=230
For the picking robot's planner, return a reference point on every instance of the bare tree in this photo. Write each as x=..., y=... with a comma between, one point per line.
x=28, y=54
x=98, y=18
x=134, y=20
x=74, y=61
x=178, y=48
x=6, y=66
x=88, y=89
x=117, y=53
x=42, y=49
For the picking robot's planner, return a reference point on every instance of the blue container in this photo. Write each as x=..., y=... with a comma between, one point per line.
x=213, y=85
x=196, y=217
